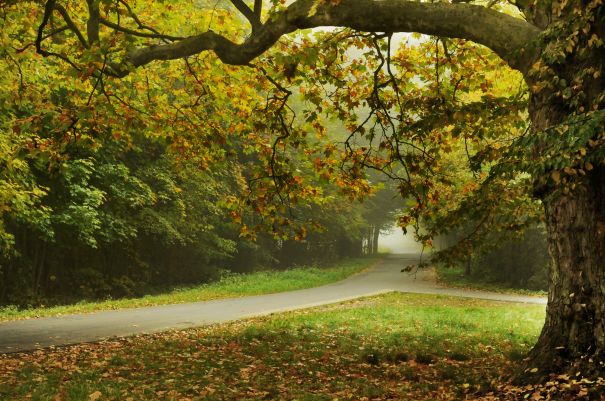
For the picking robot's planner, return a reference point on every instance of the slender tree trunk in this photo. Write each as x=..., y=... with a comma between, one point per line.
x=37, y=268
x=44, y=268
x=367, y=242
x=5, y=280
x=375, y=241
x=467, y=267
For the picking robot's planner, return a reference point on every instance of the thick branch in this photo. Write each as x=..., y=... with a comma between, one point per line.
x=509, y=37
x=92, y=27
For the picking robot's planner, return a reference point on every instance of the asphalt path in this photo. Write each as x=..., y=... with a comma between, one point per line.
x=386, y=276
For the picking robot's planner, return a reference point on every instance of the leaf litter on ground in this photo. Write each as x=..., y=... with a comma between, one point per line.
x=389, y=347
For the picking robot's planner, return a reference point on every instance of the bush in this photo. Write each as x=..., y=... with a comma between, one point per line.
x=518, y=263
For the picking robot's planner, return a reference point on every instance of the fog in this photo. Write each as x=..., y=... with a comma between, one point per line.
x=395, y=242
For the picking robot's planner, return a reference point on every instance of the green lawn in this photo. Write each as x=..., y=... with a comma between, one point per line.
x=454, y=277
x=394, y=346
x=264, y=282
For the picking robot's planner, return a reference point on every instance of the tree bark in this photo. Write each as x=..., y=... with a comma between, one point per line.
x=574, y=332
x=573, y=336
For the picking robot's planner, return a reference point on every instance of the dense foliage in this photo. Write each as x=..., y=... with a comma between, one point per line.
x=110, y=190
x=507, y=260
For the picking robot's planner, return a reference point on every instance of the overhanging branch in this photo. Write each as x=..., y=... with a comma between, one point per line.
x=509, y=37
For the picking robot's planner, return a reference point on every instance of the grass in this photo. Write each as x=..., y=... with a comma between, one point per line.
x=257, y=283
x=394, y=346
x=454, y=277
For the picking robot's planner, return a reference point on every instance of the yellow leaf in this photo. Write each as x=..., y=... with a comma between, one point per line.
x=556, y=176
x=534, y=370
x=94, y=396
x=313, y=9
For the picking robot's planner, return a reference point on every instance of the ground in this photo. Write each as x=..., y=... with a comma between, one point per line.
x=384, y=277
x=395, y=346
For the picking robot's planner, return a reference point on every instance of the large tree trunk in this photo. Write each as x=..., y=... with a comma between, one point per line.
x=573, y=337
x=574, y=332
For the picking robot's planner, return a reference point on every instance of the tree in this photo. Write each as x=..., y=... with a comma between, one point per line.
x=123, y=192
x=556, y=45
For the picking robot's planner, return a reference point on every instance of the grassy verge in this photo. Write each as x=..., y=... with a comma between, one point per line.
x=454, y=277
x=258, y=283
x=394, y=346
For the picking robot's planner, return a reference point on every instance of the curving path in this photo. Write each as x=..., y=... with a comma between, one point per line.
x=24, y=335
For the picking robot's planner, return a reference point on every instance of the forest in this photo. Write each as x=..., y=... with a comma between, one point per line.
x=117, y=194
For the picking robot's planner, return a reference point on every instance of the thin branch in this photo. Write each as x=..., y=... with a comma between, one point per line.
x=250, y=15
x=445, y=49
x=392, y=76
x=49, y=7
x=199, y=82
x=437, y=78
x=139, y=23
x=48, y=35
x=48, y=10
x=280, y=87
x=20, y=71
x=469, y=158
x=457, y=87
x=99, y=78
x=285, y=129
x=132, y=32
x=72, y=26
